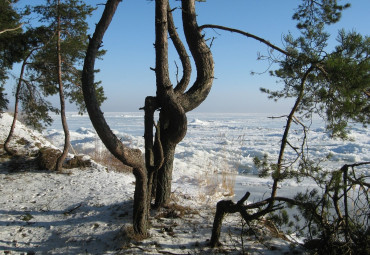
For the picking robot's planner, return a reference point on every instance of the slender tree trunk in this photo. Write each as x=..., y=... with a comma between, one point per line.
x=163, y=82
x=150, y=107
x=284, y=141
x=6, y=144
x=62, y=157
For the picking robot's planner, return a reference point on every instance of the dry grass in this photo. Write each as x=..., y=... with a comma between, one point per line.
x=174, y=211
x=219, y=175
x=101, y=155
x=105, y=158
x=228, y=182
x=218, y=179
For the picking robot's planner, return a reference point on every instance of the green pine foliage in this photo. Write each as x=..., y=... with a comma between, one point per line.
x=35, y=108
x=74, y=40
x=3, y=100
x=11, y=45
x=37, y=47
x=334, y=84
x=338, y=86
x=313, y=12
x=348, y=80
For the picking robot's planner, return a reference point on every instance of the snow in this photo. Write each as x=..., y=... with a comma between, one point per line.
x=84, y=211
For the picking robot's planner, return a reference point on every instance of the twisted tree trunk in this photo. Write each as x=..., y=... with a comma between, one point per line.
x=172, y=102
x=176, y=102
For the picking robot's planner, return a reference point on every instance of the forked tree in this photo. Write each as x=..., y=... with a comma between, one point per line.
x=172, y=102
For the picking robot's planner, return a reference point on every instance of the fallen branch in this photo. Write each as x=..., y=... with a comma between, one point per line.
x=227, y=206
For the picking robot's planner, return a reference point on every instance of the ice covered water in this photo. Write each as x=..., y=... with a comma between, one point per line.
x=235, y=138
x=218, y=142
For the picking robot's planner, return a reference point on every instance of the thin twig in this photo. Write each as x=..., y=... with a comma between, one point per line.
x=73, y=209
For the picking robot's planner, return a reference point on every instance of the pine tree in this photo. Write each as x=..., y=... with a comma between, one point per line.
x=55, y=67
x=35, y=107
x=11, y=44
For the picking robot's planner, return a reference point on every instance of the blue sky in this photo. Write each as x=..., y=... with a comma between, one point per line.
x=125, y=69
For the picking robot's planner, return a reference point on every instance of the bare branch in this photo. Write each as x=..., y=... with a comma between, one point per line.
x=202, y=57
x=233, y=30
x=181, y=50
x=11, y=29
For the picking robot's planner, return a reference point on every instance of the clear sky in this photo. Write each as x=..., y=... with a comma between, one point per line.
x=125, y=69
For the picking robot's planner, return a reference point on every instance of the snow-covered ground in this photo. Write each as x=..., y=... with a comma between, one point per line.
x=84, y=211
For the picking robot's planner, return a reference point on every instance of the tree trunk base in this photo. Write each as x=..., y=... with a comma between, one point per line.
x=223, y=207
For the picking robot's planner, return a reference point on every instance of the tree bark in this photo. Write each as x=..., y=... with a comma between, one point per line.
x=153, y=149
x=173, y=122
x=164, y=176
x=11, y=29
x=128, y=156
x=141, y=205
x=174, y=103
x=184, y=57
x=202, y=57
x=15, y=117
x=149, y=108
x=62, y=157
x=221, y=211
x=224, y=207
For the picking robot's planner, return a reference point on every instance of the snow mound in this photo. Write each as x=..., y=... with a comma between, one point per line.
x=197, y=122
x=24, y=139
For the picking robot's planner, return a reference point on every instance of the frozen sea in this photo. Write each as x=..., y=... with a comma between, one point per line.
x=219, y=142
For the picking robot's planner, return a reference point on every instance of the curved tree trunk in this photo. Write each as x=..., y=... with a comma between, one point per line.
x=64, y=154
x=173, y=104
x=184, y=57
x=6, y=144
x=128, y=156
x=173, y=122
x=11, y=131
x=202, y=57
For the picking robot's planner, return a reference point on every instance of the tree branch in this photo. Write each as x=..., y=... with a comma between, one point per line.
x=11, y=29
x=233, y=30
x=180, y=48
x=202, y=57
